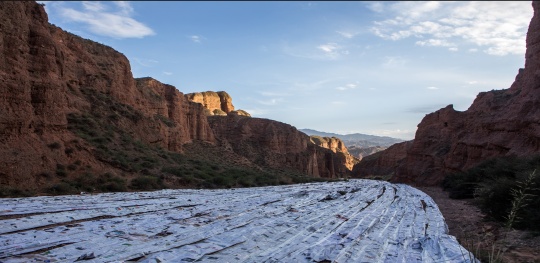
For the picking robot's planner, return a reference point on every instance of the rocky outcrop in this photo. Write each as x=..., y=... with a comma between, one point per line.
x=337, y=146
x=216, y=103
x=47, y=74
x=498, y=123
x=382, y=164
x=240, y=113
x=275, y=144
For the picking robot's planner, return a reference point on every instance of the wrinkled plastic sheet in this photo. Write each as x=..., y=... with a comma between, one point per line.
x=353, y=221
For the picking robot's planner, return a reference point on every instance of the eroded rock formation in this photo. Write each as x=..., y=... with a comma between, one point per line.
x=275, y=144
x=48, y=74
x=337, y=146
x=216, y=103
x=498, y=123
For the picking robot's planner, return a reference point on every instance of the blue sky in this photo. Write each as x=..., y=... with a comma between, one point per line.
x=344, y=67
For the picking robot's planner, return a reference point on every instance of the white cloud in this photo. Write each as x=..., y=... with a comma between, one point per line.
x=472, y=82
x=376, y=7
x=273, y=94
x=333, y=50
x=393, y=62
x=498, y=28
x=101, y=20
x=432, y=88
x=271, y=101
x=453, y=49
x=196, y=39
x=338, y=103
x=348, y=86
x=146, y=62
x=435, y=43
x=347, y=34
x=167, y=73
x=93, y=6
x=329, y=48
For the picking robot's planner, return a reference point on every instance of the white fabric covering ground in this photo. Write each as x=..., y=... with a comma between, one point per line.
x=348, y=221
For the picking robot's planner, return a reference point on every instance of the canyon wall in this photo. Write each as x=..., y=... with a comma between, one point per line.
x=70, y=108
x=276, y=144
x=48, y=74
x=498, y=123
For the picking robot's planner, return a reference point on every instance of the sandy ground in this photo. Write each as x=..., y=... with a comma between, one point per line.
x=489, y=241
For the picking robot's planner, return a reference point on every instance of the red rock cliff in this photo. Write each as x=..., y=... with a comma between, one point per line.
x=216, y=103
x=337, y=146
x=275, y=144
x=498, y=123
x=45, y=75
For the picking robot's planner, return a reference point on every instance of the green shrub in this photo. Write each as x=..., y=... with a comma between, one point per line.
x=62, y=188
x=54, y=145
x=497, y=185
x=147, y=183
x=8, y=191
x=61, y=170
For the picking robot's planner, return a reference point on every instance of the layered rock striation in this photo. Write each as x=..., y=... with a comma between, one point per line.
x=498, y=123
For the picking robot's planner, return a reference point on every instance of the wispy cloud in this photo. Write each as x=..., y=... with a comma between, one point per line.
x=498, y=28
x=112, y=20
x=393, y=62
x=327, y=51
x=196, y=39
x=167, y=73
x=333, y=50
x=346, y=34
x=347, y=86
x=146, y=62
x=432, y=88
x=376, y=7
x=270, y=101
x=273, y=94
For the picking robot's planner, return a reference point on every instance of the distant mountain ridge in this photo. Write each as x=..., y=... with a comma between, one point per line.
x=357, y=139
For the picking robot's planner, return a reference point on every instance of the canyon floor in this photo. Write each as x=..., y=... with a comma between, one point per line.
x=483, y=237
x=348, y=221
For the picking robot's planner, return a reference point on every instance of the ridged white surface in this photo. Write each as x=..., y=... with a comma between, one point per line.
x=354, y=221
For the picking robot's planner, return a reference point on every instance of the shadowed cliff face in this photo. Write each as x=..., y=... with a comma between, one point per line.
x=498, y=123
x=275, y=144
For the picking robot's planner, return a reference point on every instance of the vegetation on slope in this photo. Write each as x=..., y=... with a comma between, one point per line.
x=507, y=189
x=148, y=167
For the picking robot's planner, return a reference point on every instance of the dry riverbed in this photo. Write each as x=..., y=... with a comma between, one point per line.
x=354, y=221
